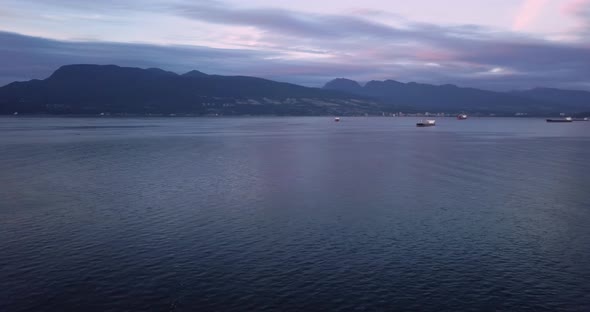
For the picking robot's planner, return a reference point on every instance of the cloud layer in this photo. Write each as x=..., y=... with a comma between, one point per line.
x=310, y=48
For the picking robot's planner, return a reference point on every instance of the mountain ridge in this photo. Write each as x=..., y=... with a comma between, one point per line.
x=453, y=97
x=92, y=89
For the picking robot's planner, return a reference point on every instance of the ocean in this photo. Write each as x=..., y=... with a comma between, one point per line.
x=294, y=214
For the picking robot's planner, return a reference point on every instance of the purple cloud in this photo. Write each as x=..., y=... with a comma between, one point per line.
x=469, y=53
x=310, y=48
x=580, y=9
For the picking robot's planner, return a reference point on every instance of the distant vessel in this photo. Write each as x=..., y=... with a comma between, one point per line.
x=15, y=113
x=566, y=119
x=427, y=123
x=462, y=116
x=337, y=119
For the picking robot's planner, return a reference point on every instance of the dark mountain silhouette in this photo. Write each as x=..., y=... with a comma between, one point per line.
x=343, y=84
x=90, y=89
x=449, y=98
x=194, y=73
x=93, y=89
x=566, y=100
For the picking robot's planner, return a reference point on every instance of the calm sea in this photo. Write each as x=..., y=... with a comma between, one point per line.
x=294, y=214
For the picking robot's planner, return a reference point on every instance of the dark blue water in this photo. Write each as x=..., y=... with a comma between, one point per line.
x=294, y=214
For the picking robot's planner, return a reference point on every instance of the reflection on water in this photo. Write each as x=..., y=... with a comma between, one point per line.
x=276, y=214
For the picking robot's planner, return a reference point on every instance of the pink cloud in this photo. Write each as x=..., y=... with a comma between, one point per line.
x=576, y=7
x=528, y=12
x=580, y=11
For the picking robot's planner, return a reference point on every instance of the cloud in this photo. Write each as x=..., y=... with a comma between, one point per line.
x=580, y=10
x=311, y=48
x=102, y=5
x=529, y=11
x=285, y=22
x=26, y=57
x=463, y=51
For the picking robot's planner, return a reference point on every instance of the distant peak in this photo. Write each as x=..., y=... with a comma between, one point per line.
x=342, y=84
x=67, y=70
x=79, y=70
x=194, y=73
x=343, y=80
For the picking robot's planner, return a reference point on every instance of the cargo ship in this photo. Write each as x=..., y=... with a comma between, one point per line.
x=566, y=119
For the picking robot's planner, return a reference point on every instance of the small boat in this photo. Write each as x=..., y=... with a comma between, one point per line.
x=462, y=116
x=566, y=119
x=15, y=114
x=337, y=119
x=427, y=123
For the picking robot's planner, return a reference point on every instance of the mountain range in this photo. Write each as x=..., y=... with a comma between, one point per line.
x=426, y=97
x=94, y=89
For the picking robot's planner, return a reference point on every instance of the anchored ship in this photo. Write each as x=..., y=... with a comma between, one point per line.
x=426, y=123
x=566, y=119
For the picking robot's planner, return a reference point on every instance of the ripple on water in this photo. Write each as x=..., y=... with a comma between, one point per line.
x=293, y=214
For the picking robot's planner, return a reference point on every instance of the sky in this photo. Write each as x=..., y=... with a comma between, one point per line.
x=490, y=44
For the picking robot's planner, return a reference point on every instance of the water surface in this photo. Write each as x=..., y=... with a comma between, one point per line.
x=294, y=214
